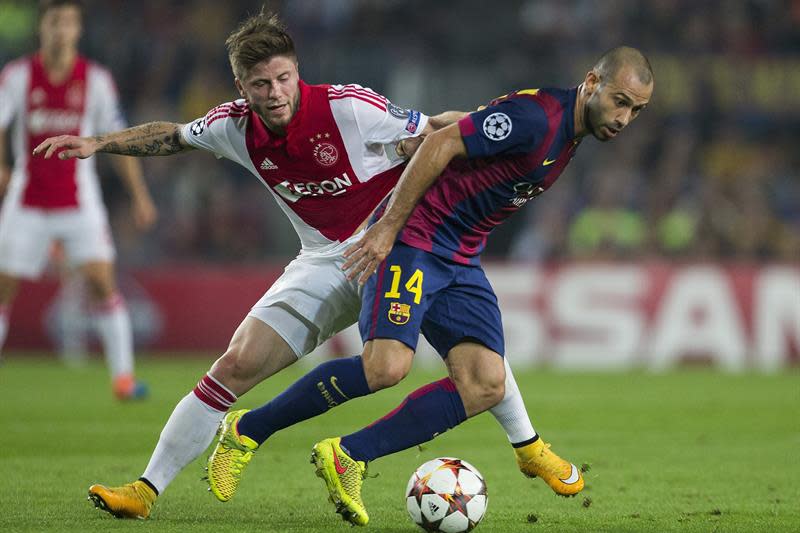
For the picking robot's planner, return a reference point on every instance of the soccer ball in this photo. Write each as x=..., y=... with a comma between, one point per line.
x=447, y=495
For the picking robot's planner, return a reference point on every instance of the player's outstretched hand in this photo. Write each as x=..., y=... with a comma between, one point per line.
x=364, y=256
x=80, y=147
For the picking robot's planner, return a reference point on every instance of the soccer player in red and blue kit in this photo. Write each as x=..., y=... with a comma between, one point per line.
x=463, y=181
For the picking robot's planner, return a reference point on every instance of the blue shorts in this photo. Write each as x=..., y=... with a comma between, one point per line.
x=415, y=291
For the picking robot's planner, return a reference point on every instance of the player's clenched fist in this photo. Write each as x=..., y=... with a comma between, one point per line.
x=80, y=147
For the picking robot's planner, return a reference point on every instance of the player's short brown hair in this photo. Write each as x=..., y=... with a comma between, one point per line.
x=256, y=39
x=45, y=5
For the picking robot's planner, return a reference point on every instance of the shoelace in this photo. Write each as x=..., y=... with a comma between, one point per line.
x=352, y=478
x=237, y=462
x=549, y=459
x=231, y=442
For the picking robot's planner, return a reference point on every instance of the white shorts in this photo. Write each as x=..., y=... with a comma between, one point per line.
x=26, y=236
x=312, y=300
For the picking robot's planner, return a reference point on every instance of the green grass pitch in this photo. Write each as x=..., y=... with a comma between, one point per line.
x=686, y=451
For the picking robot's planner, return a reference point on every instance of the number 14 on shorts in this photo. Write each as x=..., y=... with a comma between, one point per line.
x=413, y=285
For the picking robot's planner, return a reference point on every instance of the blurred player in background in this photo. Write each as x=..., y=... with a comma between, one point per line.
x=328, y=154
x=57, y=91
x=464, y=181
x=69, y=318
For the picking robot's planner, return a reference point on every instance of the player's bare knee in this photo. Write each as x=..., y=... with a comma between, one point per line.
x=386, y=364
x=384, y=373
x=493, y=379
x=481, y=382
x=99, y=286
x=481, y=394
x=494, y=391
x=236, y=368
x=98, y=291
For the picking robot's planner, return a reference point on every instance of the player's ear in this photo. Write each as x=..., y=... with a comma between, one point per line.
x=592, y=81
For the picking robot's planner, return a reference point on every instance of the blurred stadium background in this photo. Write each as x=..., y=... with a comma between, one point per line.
x=679, y=241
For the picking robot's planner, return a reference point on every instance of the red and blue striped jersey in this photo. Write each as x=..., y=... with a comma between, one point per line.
x=517, y=146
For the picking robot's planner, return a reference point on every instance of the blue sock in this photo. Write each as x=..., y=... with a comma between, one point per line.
x=330, y=384
x=425, y=413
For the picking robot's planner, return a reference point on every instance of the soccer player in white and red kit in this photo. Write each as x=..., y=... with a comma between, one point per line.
x=55, y=91
x=328, y=156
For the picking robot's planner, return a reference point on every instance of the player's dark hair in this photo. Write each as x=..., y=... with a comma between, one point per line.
x=613, y=60
x=256, y=39
x=45, y=5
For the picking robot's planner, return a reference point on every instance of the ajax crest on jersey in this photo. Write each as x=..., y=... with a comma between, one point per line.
x=447, y=495
x=497, y=126
x=399, y=313
x=326, y=154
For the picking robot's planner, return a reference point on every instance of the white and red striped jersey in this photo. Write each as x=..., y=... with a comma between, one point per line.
x=333, y=166
x=84, y=104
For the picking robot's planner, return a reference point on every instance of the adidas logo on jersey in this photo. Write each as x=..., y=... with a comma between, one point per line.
x=266, y=164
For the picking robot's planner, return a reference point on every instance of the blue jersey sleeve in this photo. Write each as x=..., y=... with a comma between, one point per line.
x=512, y=125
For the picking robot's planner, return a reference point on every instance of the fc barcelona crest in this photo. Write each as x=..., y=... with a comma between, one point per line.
x=399, y=313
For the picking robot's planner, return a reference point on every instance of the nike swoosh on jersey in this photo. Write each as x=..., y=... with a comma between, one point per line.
x=341, y=470
x=548, y=162
x=573, y=477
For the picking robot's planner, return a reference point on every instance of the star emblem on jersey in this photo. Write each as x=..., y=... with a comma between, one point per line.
x=399, y=313
x=267, y=164
x=319, y=136
x=198, y=127
x=497, y=126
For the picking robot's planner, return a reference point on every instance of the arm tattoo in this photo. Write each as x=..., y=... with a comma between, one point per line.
x=154, y=138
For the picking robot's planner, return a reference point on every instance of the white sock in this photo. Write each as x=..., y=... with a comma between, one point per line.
x=114, y=327
x=511, y=412
x=4, y=312
x=188, y=432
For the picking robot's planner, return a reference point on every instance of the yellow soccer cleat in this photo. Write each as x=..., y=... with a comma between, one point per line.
x=537, y=460
x=230, y=457
x=132, y=500
x=343, y=477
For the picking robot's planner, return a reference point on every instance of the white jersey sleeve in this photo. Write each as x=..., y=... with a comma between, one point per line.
x=13, y=79
x=378, y=120
x=102, y=93
x=220, y=132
